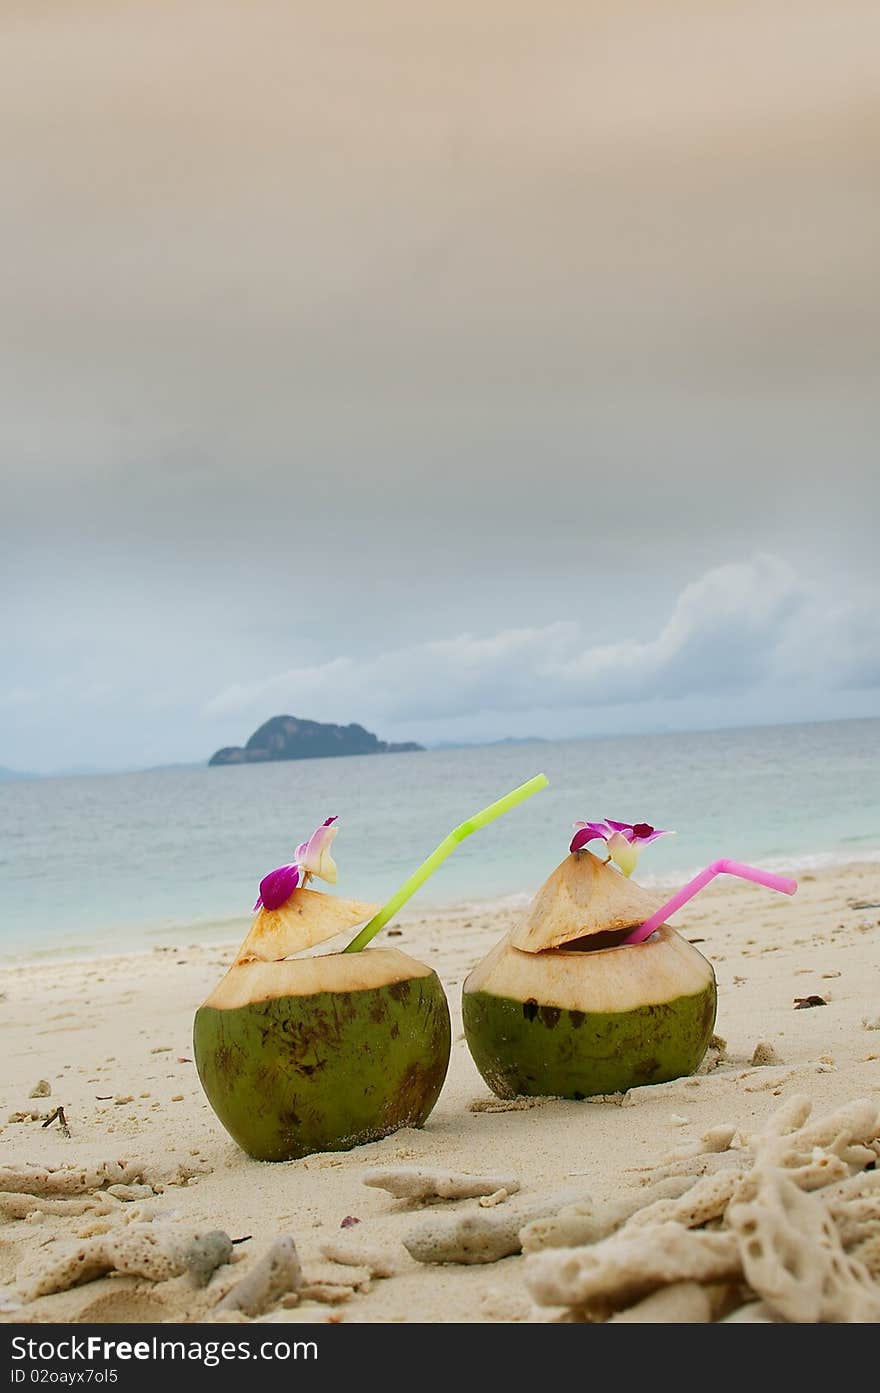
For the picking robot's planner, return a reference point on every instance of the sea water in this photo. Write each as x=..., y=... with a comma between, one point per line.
x=130, y=861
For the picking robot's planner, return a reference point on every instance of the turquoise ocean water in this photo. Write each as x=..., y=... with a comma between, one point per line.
x=131, y=861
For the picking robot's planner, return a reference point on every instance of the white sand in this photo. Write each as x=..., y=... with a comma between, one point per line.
x=121, y=1027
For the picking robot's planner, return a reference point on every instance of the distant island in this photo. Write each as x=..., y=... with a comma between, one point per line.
x=288, y=737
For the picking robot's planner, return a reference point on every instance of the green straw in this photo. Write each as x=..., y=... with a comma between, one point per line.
x=446, y=847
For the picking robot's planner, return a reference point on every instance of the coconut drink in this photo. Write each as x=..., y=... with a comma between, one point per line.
x=300, y=1051
x=299, y=1054
x=594, y=992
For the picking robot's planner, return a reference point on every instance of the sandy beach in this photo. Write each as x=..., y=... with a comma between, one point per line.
x=111, y=1038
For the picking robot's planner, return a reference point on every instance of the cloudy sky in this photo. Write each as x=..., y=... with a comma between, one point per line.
x=466, y=369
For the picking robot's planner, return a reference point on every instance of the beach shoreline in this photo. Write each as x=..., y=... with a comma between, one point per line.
x=179, y=937
x=111, y=1036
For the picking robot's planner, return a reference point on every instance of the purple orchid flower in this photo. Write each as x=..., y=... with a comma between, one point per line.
x=277, y=887
x=312, y=858
x=625, y=840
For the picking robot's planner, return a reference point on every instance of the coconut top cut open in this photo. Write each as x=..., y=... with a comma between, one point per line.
x=306, y=919
x=267, y=966
x=249, y=982
x=584, y=898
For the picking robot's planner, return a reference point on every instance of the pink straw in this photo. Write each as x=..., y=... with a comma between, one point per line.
x=699, y=882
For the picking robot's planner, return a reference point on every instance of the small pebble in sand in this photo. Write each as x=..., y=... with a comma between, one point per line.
x=122, y=1098
x=764, y=1054
x=871, y=1022
x=41, y=1089
x=177, y=1097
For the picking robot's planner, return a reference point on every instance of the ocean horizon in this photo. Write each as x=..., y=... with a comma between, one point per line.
x=99, y=863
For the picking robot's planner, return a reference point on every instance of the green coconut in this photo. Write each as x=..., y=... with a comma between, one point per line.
x=320, y=1053
x=561, y=1006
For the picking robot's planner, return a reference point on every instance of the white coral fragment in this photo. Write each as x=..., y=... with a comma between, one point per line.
x=415, y=1183
x=785, y=1229
x=792, y=1255
x=630, y=1264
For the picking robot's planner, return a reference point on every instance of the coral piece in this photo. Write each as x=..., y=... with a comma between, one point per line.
x=868, y=1254
x=764, y=1053
x=334, y=1274
x=854, y=1205
x=795, y=1211
x=277, y=1273
x=130, y=1193
x=327, y=1293
x=753, y=1312
x=585, y=1222
x=497, y=1197
x=414, y=1183
x=856, y=1220
x=706, y=1163
x=41, y=1089
x=717, y=1139
x=789, y=1117
x=356, y=1252
x=572, y=1227
x=683, y=1303
x=792, y=1254
x=848, y=1131
x=630, y=1264
x=702, y=1202
x=819, y=1153
x=67, y=1265
x=483, y=1235
x=16, y=1206
x=156, y=1251
x=67, y=1180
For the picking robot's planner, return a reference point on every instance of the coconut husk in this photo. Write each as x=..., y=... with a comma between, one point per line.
x=584, y=896
x=306, y=919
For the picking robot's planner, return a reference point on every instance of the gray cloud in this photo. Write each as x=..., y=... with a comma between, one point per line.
x=739, y=626
x=349, y=330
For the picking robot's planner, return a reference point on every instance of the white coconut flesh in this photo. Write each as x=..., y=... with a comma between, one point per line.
x=307, y=918
x=663, y=968
x=583, y=897
x=250, y=982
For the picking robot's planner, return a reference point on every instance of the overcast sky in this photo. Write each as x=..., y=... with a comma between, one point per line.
x=465, y=369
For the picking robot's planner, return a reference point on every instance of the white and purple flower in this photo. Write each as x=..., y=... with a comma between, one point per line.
x=312, y=859
x=314, y=856
x=624, y=840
